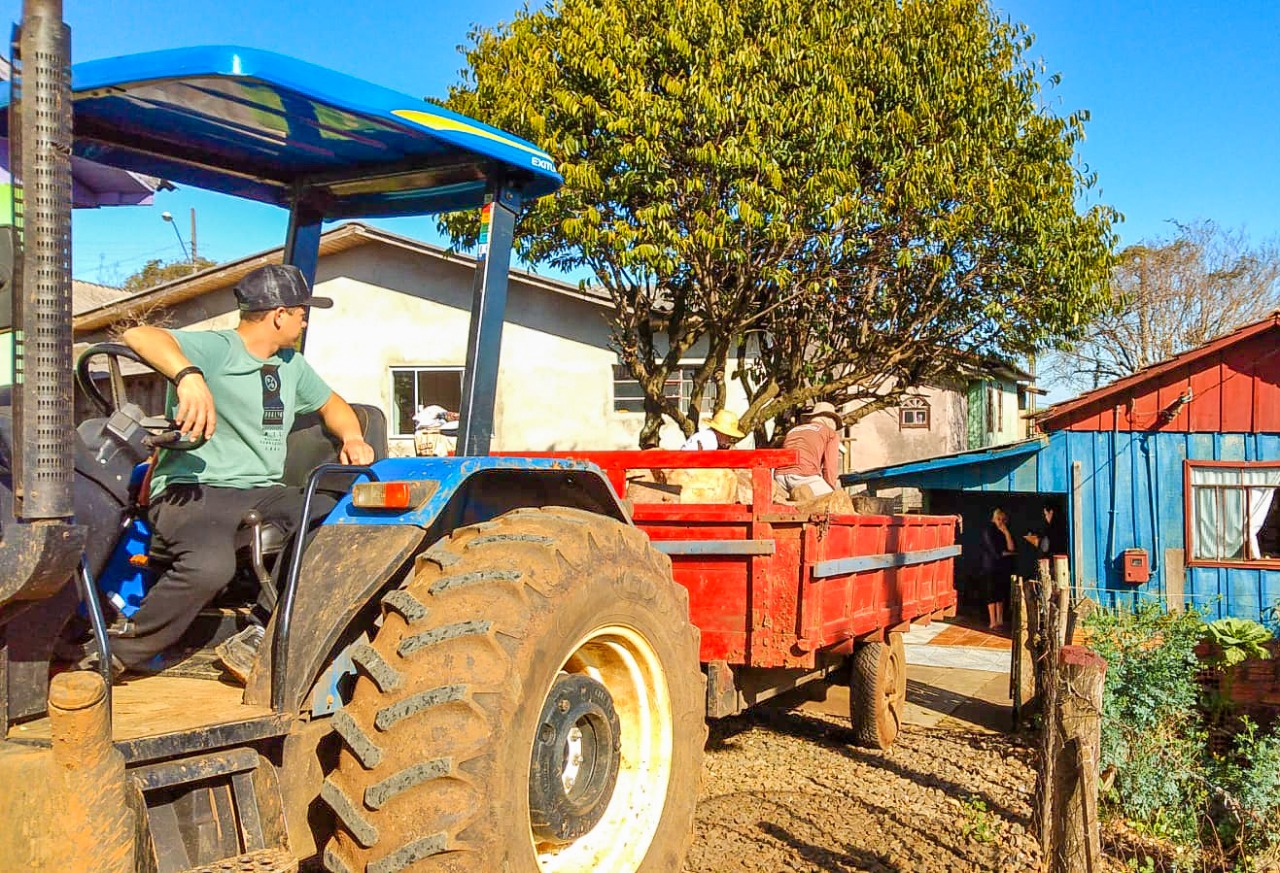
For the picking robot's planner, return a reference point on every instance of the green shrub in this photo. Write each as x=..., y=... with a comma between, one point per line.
x=1247, y=800
x=1151, y=730
x=1168, y=782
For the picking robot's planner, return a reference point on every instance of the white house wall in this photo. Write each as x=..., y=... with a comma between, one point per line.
x=397, y=307
x=878, y=439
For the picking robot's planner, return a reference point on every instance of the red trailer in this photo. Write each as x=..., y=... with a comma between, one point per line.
x=784, y=598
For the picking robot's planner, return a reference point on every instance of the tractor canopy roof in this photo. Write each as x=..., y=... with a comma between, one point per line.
x=265, y=127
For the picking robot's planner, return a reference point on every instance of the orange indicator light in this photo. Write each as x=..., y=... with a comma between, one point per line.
x=392, y=495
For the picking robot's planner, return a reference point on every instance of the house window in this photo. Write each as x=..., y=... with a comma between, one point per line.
x=628, y=396
x=914, y=413
x=1232, y=513
x=413, y=387
x=995, y=407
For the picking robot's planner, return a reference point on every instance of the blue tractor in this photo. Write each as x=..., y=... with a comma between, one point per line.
x=476, y=663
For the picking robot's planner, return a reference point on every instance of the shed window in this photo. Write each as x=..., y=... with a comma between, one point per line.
x=1233, y=514
x=415, y=387
x=914, y=413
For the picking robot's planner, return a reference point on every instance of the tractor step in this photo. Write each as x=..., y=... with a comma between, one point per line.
x=214, y=624
x=261, y=861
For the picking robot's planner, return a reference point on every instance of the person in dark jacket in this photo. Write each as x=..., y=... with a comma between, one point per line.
x=1049, y=536
x=996, y=556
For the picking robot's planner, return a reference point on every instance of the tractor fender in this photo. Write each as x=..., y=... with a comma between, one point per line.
x=358, y=554
x=466, y=491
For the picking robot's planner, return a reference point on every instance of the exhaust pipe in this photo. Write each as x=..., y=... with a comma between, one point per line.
x=43, y=439
x=40, y=548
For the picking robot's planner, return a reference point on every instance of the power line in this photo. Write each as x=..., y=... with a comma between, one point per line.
x=135, y=258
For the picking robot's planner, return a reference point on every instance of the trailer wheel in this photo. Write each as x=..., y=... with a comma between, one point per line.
x=878, y=692
x=532, y=703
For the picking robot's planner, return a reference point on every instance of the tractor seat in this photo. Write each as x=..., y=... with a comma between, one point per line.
x=308, y=446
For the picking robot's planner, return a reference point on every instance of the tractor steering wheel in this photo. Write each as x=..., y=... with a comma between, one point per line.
x=161, y=431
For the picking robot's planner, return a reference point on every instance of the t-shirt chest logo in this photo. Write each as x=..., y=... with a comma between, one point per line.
x=272, y=403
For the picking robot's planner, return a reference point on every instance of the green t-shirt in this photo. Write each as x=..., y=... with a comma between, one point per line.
x=256, y=401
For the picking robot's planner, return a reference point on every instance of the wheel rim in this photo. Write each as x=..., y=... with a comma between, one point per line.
x=890, y=703
x=575, y=760
x=623, y=661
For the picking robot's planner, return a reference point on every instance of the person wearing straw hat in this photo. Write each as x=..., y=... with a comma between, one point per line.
x=720, y=433
x=817, y=445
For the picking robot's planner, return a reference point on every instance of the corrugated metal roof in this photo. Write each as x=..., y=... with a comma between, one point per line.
x=87, y=296
x=941, y=462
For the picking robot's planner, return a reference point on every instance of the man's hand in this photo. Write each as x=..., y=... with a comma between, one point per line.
x=195, y=415
x=158, y=347
x=356, y=452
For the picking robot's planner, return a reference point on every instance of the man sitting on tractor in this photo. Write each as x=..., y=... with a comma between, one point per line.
x=239, y=390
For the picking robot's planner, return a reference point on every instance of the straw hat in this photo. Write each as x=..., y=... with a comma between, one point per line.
x=726, y=422
x=823, y=408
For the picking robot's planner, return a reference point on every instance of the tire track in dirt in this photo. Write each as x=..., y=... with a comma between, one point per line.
x=786, y=792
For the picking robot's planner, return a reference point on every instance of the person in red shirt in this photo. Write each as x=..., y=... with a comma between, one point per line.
x=817, y=445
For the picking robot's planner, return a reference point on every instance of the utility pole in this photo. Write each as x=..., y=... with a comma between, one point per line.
x=191, y=258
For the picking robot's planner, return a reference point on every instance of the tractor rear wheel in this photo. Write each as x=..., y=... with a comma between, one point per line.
x=532, y=703
x=878, y=692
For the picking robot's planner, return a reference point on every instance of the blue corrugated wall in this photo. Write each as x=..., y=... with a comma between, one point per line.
x=1132, y=497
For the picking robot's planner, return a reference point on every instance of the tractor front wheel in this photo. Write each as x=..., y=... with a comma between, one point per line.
x=532, y=703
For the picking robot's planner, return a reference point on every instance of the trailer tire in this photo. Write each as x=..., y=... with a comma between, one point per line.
x=537, y=675
x=878, y=692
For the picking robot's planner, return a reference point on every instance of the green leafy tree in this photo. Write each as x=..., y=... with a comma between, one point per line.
x=851, y=196
x=157, y=272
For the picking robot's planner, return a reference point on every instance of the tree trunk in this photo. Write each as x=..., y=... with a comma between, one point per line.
x=651, y=433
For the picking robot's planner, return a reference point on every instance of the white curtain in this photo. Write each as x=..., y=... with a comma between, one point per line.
x=1259, y=501
x=1221, y=513
x=1219, y=523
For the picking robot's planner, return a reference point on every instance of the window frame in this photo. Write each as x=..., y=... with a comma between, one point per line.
x=915, y=403
x=1188, y=514
x=685, y=377
x=393, y=429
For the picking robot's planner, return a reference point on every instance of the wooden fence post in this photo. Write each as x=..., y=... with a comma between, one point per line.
x=1017, y=628
x=1062, y=586
x=1023, y=686
x=1074, y=836
x=1047, y=691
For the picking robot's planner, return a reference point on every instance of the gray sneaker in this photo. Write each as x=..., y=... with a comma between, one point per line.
x=238, y=653
x=92, y=662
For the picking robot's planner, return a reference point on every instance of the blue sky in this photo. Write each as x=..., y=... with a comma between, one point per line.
x=1183, y=97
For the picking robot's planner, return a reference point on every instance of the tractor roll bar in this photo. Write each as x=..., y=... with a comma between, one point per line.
x=284, y=612
x=484, y=336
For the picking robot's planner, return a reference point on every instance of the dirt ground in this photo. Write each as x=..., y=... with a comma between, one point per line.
x=786, y=792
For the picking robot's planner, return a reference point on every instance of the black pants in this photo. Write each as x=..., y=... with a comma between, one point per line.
x=193, y=548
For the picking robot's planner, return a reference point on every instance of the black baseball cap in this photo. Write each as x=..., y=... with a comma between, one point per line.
x=276, y=285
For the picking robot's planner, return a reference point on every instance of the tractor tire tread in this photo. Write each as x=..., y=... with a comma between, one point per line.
x=386, y=677
x=464, y=611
